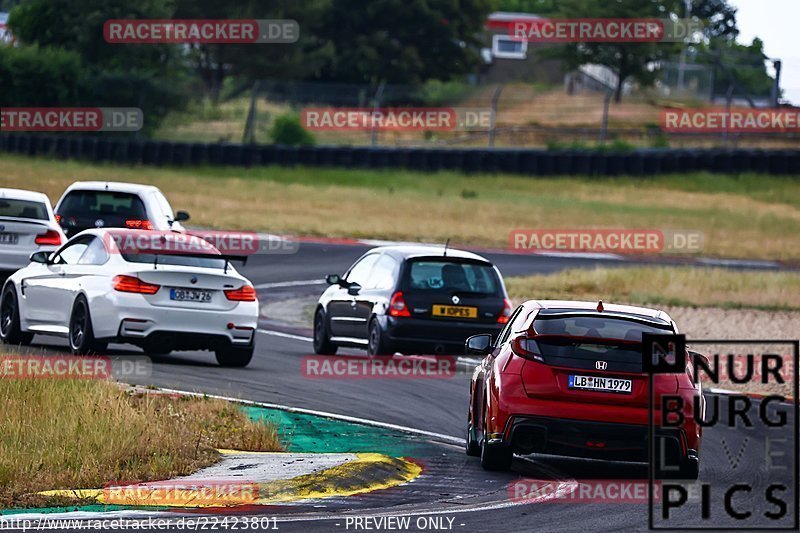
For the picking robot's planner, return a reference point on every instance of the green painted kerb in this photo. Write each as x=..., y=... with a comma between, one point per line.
x=304, y=433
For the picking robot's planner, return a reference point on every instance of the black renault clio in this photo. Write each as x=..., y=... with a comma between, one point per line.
x=413, y=300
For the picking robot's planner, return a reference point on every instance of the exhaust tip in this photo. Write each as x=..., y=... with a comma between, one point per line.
x=530, y=440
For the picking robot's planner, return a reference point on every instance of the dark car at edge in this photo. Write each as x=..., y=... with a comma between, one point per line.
x=411, y=299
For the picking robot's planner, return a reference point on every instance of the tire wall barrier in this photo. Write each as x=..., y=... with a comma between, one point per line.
x=644, y=162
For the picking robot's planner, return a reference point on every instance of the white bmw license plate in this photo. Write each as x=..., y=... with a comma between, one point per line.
x=190, y=295
x=9, y=238
x=595, y=383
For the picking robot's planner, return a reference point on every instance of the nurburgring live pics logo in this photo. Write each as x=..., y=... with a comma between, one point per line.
x=749, y=429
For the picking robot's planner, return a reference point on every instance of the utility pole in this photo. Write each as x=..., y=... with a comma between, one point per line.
x=776, y=87
x=682, y=65
x=495, y=100
x=375, y=107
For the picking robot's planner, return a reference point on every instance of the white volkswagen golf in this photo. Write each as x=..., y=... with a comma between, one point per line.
x=161, y=291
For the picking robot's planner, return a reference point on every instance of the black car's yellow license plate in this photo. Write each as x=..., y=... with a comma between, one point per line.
x=455, y=311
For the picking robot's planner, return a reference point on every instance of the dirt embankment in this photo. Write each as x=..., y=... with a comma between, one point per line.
x=745, y=324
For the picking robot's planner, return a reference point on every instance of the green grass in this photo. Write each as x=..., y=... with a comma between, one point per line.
x=658, y=286
x=747, y=216
x=84, y=433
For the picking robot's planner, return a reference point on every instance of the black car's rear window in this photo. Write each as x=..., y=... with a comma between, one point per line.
x=102, y=203
x=597, y=327
x=10, y=207
x=436, y=275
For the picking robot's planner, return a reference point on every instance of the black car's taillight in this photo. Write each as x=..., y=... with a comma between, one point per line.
x=397, y=305
x=505, y=314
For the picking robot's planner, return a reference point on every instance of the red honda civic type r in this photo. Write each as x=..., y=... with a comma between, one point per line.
x=565, y=378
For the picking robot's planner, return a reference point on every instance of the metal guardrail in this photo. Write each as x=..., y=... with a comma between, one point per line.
x=644, y=162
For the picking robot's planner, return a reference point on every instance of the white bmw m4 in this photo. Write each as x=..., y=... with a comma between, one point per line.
x=161, y=291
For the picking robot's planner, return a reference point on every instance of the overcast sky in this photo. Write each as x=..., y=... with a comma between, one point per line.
x=776, y=23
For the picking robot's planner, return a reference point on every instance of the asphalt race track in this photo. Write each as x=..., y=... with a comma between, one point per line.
x=454, y=486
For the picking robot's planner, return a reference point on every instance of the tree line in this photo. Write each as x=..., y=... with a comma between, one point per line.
x=61, y=57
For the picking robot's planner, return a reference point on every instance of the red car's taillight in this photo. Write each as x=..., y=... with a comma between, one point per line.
x=397, y=305
x=138, y=224
x=246, y=293
x=124, y=283
x=49, y=237
x=506, y=314
x=527, y=348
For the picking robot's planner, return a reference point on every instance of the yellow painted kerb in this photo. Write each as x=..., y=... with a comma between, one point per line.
x=369, y=472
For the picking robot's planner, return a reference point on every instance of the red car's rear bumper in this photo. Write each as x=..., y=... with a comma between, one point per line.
x=572, y=428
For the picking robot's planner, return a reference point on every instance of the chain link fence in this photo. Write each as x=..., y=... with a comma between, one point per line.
x=579, y=114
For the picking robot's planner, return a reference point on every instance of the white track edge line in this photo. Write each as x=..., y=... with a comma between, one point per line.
x=459, y=361
x=345, y=418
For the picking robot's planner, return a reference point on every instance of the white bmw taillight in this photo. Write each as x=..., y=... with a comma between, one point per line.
x=246, y=293
x=124, y=283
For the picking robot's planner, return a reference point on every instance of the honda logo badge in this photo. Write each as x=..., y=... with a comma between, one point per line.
x=600, y=365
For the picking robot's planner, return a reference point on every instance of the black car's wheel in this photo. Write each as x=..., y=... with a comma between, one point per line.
x=322, y=342
x=495, y=457
x=472, y=447
x=377, y=344
x=10, y=329
x=234, y=356
x=81, y=333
